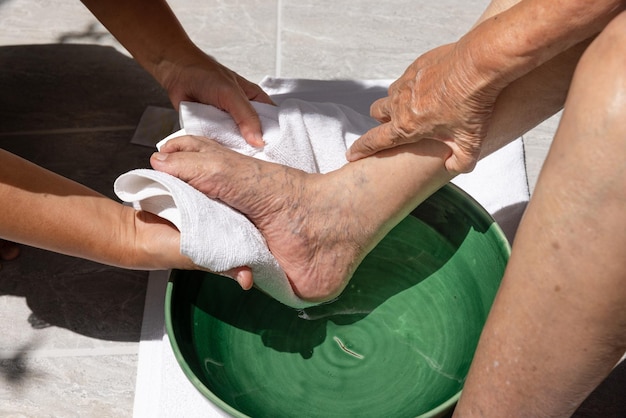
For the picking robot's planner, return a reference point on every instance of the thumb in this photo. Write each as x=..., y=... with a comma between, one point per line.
x=242, y=275
x=382, y=137
x=463, y=163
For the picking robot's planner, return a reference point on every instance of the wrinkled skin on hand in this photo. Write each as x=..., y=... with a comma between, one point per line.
x=200, y=78
x=288, y=206
x=440, y=96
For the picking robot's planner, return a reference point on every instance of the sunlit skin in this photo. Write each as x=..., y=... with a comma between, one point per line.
x=558, y=322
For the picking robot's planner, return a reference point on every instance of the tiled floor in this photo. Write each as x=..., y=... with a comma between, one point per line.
x=68, y=338
x=69, y=329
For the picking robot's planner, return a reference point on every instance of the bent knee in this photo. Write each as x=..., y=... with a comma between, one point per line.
x=600, y=77
x=613, y=33
x=594, y=120
x=607, y=53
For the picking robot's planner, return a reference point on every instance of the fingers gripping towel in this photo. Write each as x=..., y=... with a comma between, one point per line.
x=312, y=137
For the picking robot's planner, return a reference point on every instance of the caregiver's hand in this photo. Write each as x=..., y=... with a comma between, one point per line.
x=156, y=245
x=440, y=96
x=200, y=78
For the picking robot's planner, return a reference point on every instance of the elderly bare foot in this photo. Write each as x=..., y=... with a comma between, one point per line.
x=291, y=208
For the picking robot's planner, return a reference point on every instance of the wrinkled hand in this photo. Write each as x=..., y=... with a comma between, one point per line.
x=200, y=78
x=440, y=96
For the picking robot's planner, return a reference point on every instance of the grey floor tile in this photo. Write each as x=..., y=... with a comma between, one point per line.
x=59, y=293
x=241, y=34
x=366, y=39
x=49, y=21
x=93, y=158
x=57, y=86
x=55, y=387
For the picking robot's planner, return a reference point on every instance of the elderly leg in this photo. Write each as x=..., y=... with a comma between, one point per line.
x=558, y=325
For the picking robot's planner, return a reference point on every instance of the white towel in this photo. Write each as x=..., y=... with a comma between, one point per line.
x=312, y=137
x=162, y=390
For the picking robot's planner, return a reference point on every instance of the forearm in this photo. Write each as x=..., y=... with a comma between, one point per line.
x=148, y=29
x=531, y=99
x=45, y=210
x=512, y=43
x=538, y=94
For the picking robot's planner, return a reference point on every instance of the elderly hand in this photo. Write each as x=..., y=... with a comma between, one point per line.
x=200, y=78
x=440, y=96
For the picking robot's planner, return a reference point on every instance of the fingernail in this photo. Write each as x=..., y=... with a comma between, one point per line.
x=259, y=139
x=242, y=280
x=239, y=278
x=161, y=156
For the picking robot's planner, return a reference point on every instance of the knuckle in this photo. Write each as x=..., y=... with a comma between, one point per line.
x=400, y=133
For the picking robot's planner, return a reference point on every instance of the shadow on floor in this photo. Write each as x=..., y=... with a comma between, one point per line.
x=73, y=110
x=63, y=86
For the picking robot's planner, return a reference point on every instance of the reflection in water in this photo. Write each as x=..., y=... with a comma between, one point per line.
x=346, y=349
